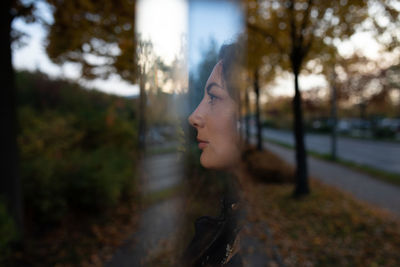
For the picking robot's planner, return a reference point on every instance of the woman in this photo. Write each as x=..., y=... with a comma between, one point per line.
x=216, y=120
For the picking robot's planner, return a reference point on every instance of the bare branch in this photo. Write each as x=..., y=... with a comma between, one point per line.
x=293, y=29
x=304, y=23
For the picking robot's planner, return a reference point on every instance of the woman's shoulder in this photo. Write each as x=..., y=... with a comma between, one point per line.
x=215, y=239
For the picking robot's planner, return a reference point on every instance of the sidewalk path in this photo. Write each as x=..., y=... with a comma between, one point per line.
x=360, y=185
x=158, y=222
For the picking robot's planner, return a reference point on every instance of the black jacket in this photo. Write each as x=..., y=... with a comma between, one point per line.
x=214, y=238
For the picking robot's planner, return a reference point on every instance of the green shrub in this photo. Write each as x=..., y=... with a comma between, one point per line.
x=8, y=232
x=77, y=147
x=99, y=178
x=60, y=171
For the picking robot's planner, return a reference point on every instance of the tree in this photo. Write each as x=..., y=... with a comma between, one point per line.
x=146, y=60
x=384, y=24
x=199, y=75
x=100, y=36
x=247, y=112
x=256, y=86
x=333, y=117
x=10, y=184
x=304, y=30
x=97, y=35
x=260, y=58
x=167, y=80
x=361, y=80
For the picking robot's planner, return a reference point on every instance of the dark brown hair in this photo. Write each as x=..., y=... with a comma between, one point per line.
x=231, y=57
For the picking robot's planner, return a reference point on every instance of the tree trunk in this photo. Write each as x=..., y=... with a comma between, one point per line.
x=142, y=113
x=301, y=175
x=334, y=118
x=258, y=121
x=247, y=118
x=363, y=106
x=10, y=184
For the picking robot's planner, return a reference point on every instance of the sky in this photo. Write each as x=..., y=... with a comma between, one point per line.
x=165, y=23
x=169, y=25
x=33, y=57
x=220, y=21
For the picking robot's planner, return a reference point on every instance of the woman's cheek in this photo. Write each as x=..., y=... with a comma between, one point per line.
x=222, y=133
x=227, y=133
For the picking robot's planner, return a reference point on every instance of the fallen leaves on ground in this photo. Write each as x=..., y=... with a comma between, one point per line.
x=79, y=240
x=326, y=228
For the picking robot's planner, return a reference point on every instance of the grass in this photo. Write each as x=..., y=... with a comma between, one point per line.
x=380, y=139
x=386, y=176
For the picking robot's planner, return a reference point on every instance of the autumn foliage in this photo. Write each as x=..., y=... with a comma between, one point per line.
x=78, y=156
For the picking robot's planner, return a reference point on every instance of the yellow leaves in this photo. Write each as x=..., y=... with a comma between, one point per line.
x=317, y=241
x=327, y=226
x=266, y=167
x=289, y=26
x=96, y=231
x=82, y=22
x=125, y=43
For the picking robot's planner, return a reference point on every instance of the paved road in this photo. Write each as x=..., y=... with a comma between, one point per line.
x=361, y=186
x=378, y=154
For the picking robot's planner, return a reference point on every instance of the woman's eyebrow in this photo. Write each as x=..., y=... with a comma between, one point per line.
x=211, y=85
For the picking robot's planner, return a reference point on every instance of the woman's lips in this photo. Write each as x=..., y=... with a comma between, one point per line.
x=202, y=143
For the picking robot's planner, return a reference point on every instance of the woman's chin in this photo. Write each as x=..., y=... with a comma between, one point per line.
x=215, y=163
x=205, y=162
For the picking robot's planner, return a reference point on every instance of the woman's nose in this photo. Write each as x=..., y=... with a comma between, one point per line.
x=196, y=118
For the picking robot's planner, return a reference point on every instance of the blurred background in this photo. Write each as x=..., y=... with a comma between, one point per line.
x=101, y=166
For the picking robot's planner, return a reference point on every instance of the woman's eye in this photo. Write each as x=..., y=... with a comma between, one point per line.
x=213, y=98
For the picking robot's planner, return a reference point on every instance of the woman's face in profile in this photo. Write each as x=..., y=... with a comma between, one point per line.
x=215, y=119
